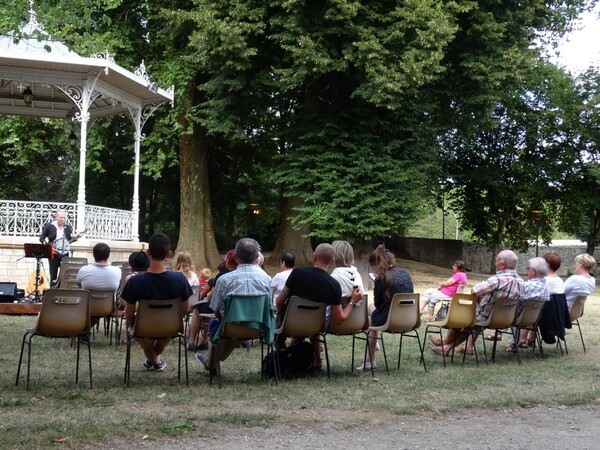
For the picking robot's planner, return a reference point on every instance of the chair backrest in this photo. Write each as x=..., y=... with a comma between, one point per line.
x=195, y=294
x=70, y=284
x=303, y=318
x=68, y=272
x=102, y=302
x=64, y=313
x=158, y=319
x=461, y=288
x=248, y=317
x=357, y=321
x=576, y=309
x=461, y=312
x=404, y=313
x=82, y=261
x=503, y=313
x=531, y=312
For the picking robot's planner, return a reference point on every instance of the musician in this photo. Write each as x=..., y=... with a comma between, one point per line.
x=60, y=236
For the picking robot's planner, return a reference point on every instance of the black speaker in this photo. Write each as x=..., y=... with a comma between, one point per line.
x=8, y=291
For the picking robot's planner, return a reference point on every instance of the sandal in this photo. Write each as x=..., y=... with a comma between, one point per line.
x=531, y=343
x=439, y=351
x=523, y=344
x=511, y=348
x=494, y=337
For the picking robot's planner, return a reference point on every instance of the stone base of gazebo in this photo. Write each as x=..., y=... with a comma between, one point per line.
x=14, y=267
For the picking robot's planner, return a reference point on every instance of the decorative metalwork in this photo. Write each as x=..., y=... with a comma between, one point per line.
x=141, y=72
x=22, y=218
x=105, y=56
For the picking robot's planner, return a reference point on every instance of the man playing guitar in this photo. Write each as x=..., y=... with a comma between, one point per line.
x=60, y=236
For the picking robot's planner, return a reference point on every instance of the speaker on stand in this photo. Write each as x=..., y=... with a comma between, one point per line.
x=8, y=292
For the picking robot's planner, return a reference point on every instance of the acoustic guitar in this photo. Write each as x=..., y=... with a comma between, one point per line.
x=43, y=283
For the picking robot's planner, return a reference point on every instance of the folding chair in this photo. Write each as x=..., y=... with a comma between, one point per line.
x=158, y=319
x=64, y=314
x=403, y=318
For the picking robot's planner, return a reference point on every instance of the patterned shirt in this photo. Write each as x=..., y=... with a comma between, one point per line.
x=535, y=288
x=504, y=284
x=246, y=280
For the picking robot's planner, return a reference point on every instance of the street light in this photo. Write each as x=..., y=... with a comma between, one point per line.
x=537, y=220
x=28, y=96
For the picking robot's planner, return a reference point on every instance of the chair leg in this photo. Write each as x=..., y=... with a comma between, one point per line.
x=127, y=374
x=21, y=358
x=90, y=363
x=384, y=355
x=580, y=334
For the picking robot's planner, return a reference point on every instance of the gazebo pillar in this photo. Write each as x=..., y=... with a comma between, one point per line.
x=135, y=202
x=82, y=163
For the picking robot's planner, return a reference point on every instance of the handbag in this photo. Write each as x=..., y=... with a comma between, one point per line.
x=442, y=312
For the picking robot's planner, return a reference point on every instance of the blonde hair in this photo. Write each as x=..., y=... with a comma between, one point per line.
x=587, y=261
x=205, y=274
x=184, y=264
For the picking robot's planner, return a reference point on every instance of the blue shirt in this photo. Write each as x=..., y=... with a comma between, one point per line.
x=247, y=279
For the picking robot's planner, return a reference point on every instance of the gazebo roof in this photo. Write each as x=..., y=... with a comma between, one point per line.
x=56, y=76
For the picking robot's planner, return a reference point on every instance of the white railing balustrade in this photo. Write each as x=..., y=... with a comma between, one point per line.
x=23, y=218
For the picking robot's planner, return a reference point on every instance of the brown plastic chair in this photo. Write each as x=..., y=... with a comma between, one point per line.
x=461, y=316
x=158, y=319
x=503, y=315
x=404, y=317
x=102, y=304
x=576, y=312
x=355, y=325
x=192, y=300
x=240, y=332
x=82, y=261
x=303, y=318
x=64, y=314
x=527, y=319
x=68, y=272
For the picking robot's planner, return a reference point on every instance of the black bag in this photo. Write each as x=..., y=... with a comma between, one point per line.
x=442, y=312
x=296, y=361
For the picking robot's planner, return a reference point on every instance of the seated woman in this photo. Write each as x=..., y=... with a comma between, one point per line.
x=185, y=265
x=344, y=272
x=389, y=280
x=581, y=283
x=445, y=290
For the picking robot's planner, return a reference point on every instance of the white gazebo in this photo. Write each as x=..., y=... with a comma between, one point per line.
x=41, y=77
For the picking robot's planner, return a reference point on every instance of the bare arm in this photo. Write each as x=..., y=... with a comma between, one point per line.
x=279, y=302
x=129, y=314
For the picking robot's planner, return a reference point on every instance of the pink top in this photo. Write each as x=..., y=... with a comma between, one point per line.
x=460, y=277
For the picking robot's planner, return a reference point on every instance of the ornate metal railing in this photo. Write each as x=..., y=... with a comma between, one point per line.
x=22, y=218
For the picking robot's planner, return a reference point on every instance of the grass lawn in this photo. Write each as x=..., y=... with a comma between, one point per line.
x=157, y=405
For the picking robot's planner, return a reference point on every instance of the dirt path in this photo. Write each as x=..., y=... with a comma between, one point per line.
x=540, y=427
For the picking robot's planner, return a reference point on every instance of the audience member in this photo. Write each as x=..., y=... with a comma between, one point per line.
x=185, y=265
x=536, y=288
x=287, y=262
x=389, y=280
x=445, y=290
x=314, y=283
x=248, y=279
x=554, y=282
x=581, y=283
x=506, y=283
x=139, y=262
x=156, y=284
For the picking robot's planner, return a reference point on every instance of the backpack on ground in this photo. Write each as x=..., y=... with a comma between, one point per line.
x=296, y=361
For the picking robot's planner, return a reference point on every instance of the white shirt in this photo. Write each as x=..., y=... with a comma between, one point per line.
x=278, y=282
x=99, y=276
x=555, y=284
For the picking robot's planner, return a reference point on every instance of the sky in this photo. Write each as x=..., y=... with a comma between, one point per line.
x=581, y=48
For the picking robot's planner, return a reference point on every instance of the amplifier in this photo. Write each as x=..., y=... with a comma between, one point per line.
x=8, y=291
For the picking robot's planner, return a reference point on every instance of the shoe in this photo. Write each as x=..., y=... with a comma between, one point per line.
x=523, y=344
x=192, y=348
x=202, y=360
x=202, y=347
x=367, y=366
x=494, y=337
x=376, y=346
x=160, y=366
x=511, y=348
x=439, y=351
x=148, y=365
x=435, y=340
x=462, y=350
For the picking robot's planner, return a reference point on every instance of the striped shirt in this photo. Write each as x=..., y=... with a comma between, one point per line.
x=246, y=280
x=504, y=284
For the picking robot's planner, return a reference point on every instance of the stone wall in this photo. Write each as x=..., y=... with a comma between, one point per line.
x=15, y=268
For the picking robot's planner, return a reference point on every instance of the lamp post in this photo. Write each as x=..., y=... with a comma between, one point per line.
x=27, y=96
x=537, y=220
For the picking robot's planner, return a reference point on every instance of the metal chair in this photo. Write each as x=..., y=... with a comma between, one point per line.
x=158, y=319
x=404, y=317
x=303, y=318
x=461, y=316
x=64, y=314
x=245, y=318
x=355, y=325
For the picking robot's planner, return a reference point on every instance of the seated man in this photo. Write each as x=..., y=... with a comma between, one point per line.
x=99, y=274
x=536, y=287
x=315, y=283
x=287, y=262
x=156, y=284
x=247, y=280
x=506, y=283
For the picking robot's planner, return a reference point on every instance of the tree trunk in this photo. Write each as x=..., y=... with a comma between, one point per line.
x=196, y=232
x=289, y=239
x=362, y=251
x=592, y=239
